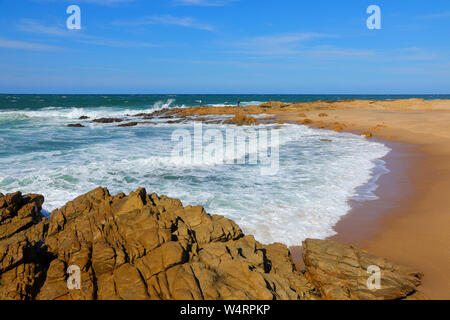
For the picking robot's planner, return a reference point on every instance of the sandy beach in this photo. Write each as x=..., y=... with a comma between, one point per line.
x=410, y=222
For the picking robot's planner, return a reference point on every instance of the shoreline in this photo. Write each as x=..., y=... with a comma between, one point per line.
x=409, y=222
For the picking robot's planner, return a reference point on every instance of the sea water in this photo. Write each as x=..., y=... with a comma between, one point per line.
x=305, y=198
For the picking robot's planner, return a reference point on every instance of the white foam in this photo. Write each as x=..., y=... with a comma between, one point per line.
x=306, y=198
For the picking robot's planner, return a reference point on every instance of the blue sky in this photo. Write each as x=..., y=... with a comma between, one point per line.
x=224, y=46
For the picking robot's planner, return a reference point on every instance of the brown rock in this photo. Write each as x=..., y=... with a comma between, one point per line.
x=306, y=121
x=22, y=256
x=75, y=125
x=241, y=119
x=340, y=272
x=323, y=115
x=128, y=124
x=145, y=246
x=83, y=118
x=366, y=134
x=107, y=120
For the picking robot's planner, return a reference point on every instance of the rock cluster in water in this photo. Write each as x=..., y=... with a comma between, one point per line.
x=145, y=246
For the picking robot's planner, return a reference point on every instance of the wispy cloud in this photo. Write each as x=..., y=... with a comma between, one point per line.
x=167, y=19
x=24, y=45
x=203, y=3
x=118, y=44
x=97, y=2
x=281, y=44
x=33, y=26
x=439, y=15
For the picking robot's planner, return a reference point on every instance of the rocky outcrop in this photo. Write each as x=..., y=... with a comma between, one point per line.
x=341, y=272
x=128, y=124
x=107, y=120
x=145, y=246
x=241, y=120
x=22, y=256
x=75, y=125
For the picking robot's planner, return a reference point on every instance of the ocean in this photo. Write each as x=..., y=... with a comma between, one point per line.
x=306, y=196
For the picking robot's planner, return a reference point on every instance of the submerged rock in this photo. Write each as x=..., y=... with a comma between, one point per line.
x=107, y=120
x=75, y=125
x=145, y=246
x=128, y=124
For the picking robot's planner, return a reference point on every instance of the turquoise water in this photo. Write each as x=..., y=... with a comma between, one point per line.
x=305, y=197
x=35, y=102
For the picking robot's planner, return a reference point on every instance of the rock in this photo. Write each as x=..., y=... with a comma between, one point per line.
x=107, y=120
x=366, y=134
x=323, y=115
x=301, y=115
x=83, y=118
x=306, y=121
x=22, y=257
x=128, y=124
x=273, y=104
x=75, y=125
x=241, y=119
x=325, y=140
x=340, y=272
x=145, y=246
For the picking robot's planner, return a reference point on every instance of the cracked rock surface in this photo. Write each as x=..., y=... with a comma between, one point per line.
x=145, y=246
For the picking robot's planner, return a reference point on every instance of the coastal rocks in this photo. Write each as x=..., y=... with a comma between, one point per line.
x=75, y=125
x=128, y=124
x=366, y=134
x=145, y=246
x=83, y=118
x=22, y=257
x=273, y=104
x=107, y=120
x=340, y=272
x=241, y=120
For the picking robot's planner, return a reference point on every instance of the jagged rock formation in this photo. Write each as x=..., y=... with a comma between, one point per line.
x=340, y=272
x=145, y=246
x=22, y=257
x=241, y=119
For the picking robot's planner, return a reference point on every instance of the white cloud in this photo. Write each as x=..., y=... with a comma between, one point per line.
x=97, y=2
x=445, y=14
x=281, y=44
x=23, y=45
x=118, y=44
x=168, y=20
x=33, y=26
x=203, y=3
